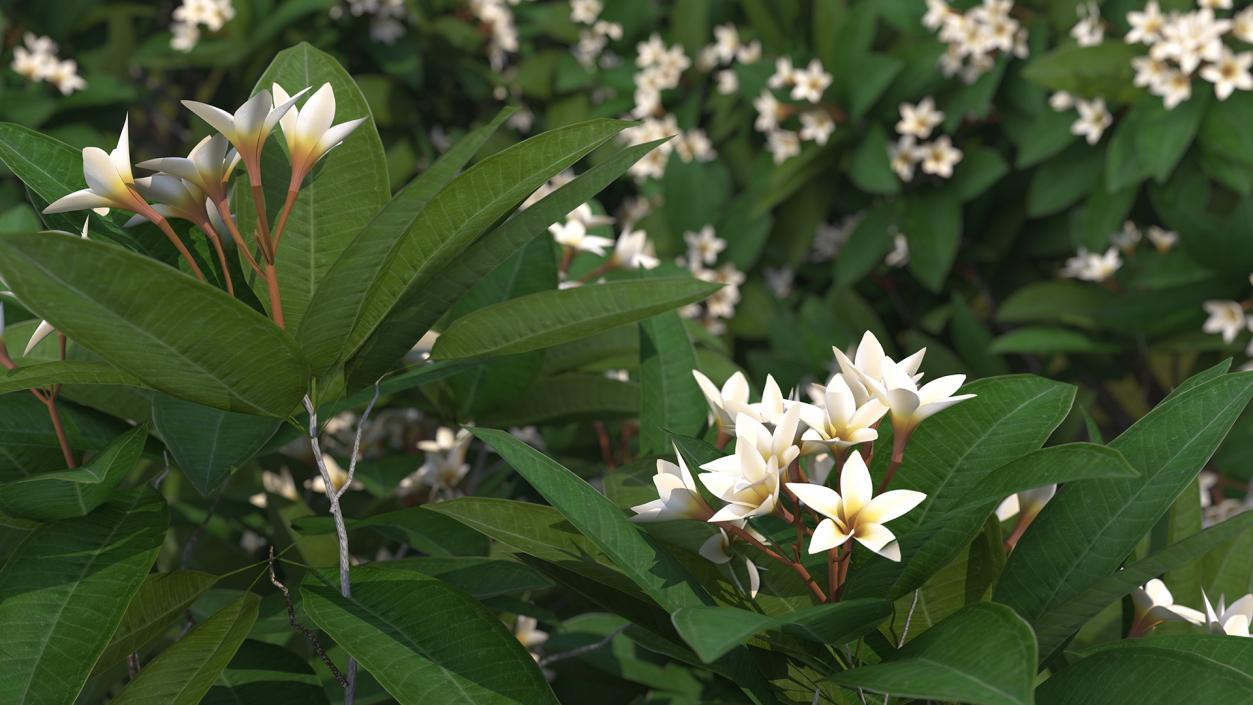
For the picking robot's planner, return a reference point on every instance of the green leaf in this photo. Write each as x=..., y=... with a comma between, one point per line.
x=1071, y=462
x=265, y=674
x=161, y=600
x=209, y=444
x=63, y=593
x=47, y=374
x=949, y=455
x=596, y=517
x=233, y=358
x=426, y=530
x=390, y=260
x=933, y=224
x=871, y=168
x=870, y=241
x=345, y=191
x=1086, y=531
x=713, y=631
x=429, y=303
x=1061, y=181
x=1034, y=340
x=670, y=400
x=1054, y=628
x=481, y=578
x=1156, y=671
x=983, y=654
x=568, y=397
x=1228, y=128
x=1069, y=302
x=978, y=171
x=1101, y=70
x=52, y=496
x=387, y=625
x=183, y=673
x=550, y=318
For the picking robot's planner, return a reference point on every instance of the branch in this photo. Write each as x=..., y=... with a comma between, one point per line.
x=308, y=633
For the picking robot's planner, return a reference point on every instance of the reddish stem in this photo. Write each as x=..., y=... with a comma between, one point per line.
x=276, y=301
x=794, y=565
x=281, y=225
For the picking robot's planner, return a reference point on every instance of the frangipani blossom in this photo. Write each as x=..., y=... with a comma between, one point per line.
x=172, y=197
x=44, y=329
x=727, y=403
x=1226, y=318
x=1233, y=620
x=248, y=128
x=839, y=422
x=444, y=465
x=208, y=165
x=573, y=234
x=868, y=360
x=747, y=481
x=1154, y=604
x=308, y=130
x=716, y=549
x=853, y=513
x=634, y=251
x=778, y=441
x=279, y=484
x=677, y=495
x=110, y=183
x=1029, y=503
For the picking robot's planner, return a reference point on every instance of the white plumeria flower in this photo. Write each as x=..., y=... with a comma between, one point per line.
x=919, y=120
x=773, y=426
x=1174, y=88
x=1094, y=117
x=1161, y=238
x=1229, y=73
x=573, y=234
x=726, y=403
x=279, y=484
x=784, y=73
x=677, y=495
x=208, y=165
x=726, y=42
x=728, y=82
x=64, y=75
x=338, y=475
x=839, y=422
x=1127, y=238
x=747, y=481
x=585, y=11
x=1146, y=27
x=1233, y=620
x=854, y=513
x=816, y=126
x=172, y=197
x=1061, y=101
x=634, y=251
x=250, y=126
x=44, y=329
x=110, y=183
x=704, y=245
x=445, y=464
x=1242, y=25
x=1150, y=73
x=526, y=630
x=1226, y=318
x=649, y=53
x=783, y=145
x=899, y=256
x=811, y=82
x=308, y=130
x=1030, y=503
x=1154, y=604
x=716, y=549
x=939, y=157
x=769, y=112
x=1088, y=31
x=749, y=53
x=868, y=360
x=904, y=155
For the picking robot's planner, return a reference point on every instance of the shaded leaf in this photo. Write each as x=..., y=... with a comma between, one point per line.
x=51, y=496
x=713, y=631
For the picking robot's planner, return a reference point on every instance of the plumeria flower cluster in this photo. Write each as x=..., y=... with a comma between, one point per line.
x=1130, y=237
x=497, y=18
x=631, y=251
x=444, y=467
x=1154, y=604
x=704, y=249
x=977, y=37
x=1092, y=266
x=937, y=157
x=690, y=145
x=595, y=34
x=196, y=188
x=804, y=89
x=36, y=60
x=727, y=50
x=660, y=69
x=1185, y=45
x=191, y=15
x=790, y=456
x=387, y=17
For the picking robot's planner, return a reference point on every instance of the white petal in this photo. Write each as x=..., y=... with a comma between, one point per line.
x=317, y=114
x=736, y=388
x=714, y=549
x=335, y=135
x=818, y=498
x=289, y=120
x=77, y=201
x=876, y=537
x=826, y=537
x=102, y=176
x=121, y=155
x=44, y=330
x=754, y=578
x=890, y=505
x=218, y=118
x=250, y=118
x=856, y=488
x=940, y=388
x=272, y=118
x=732, y=512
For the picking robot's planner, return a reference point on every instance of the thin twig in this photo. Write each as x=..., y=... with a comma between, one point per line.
x=909, y=617
x=156, y=481
x=585, y=649
x=308, y=633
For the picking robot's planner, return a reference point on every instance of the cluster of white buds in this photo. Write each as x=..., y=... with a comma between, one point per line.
x=444, y=467
x=937, y=157
x=1092, y=266
x=1155, y=604
x=1094, y=117
x=1182, y=45
x=804, y=87
x=387, y=17
x=704, y=248
x=786, y=451
x=595, y=35
x=727, y=50
x=37, y=61
x=689, y=145
x=829, y=238
x=191, y=15
x=497, y=17
x=1130, y=236
x=977, y=37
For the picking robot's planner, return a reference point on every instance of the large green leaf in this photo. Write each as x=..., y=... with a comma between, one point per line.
x=568, y=397
x=266, y=674
x=1157, y=671
x=208, y=444
x=933, y=226
x=65, y=494
x=1065, y=463
x=424, y=641
x=713, y=631
x=948, y=456
x=382, y=264
x=984, y=654
x=424, y=305
x=160, y=601
x=420, y=527
x=28, y=442
x=553, y=317
x=598, y=519
x=670, y=401
x=479, y=577
x=63, y=593
x=176, y=334
x=1089, y=528
x=183, y=673
x=346, y=190
x=47, y=374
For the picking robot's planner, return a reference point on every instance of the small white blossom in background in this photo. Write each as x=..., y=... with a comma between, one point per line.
x=937, y=157
x=526, y=630
x=1183, y=46
x=704, y=246
x=977, y=37
x=919, y=120
x=1231, y=620
x=1162, y=238
x=830, y=237
x=1094, y=118
x=634, y=251
x=338, y=475
x=1226, y=318
x=497, y=17
x=1089, y=30
x=1093, y=267
x=36, y=60
x=191, y=15
x=1154, y=604
x=899, y=256
x=691, y=145
x=444, y=466
x=780, y=280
